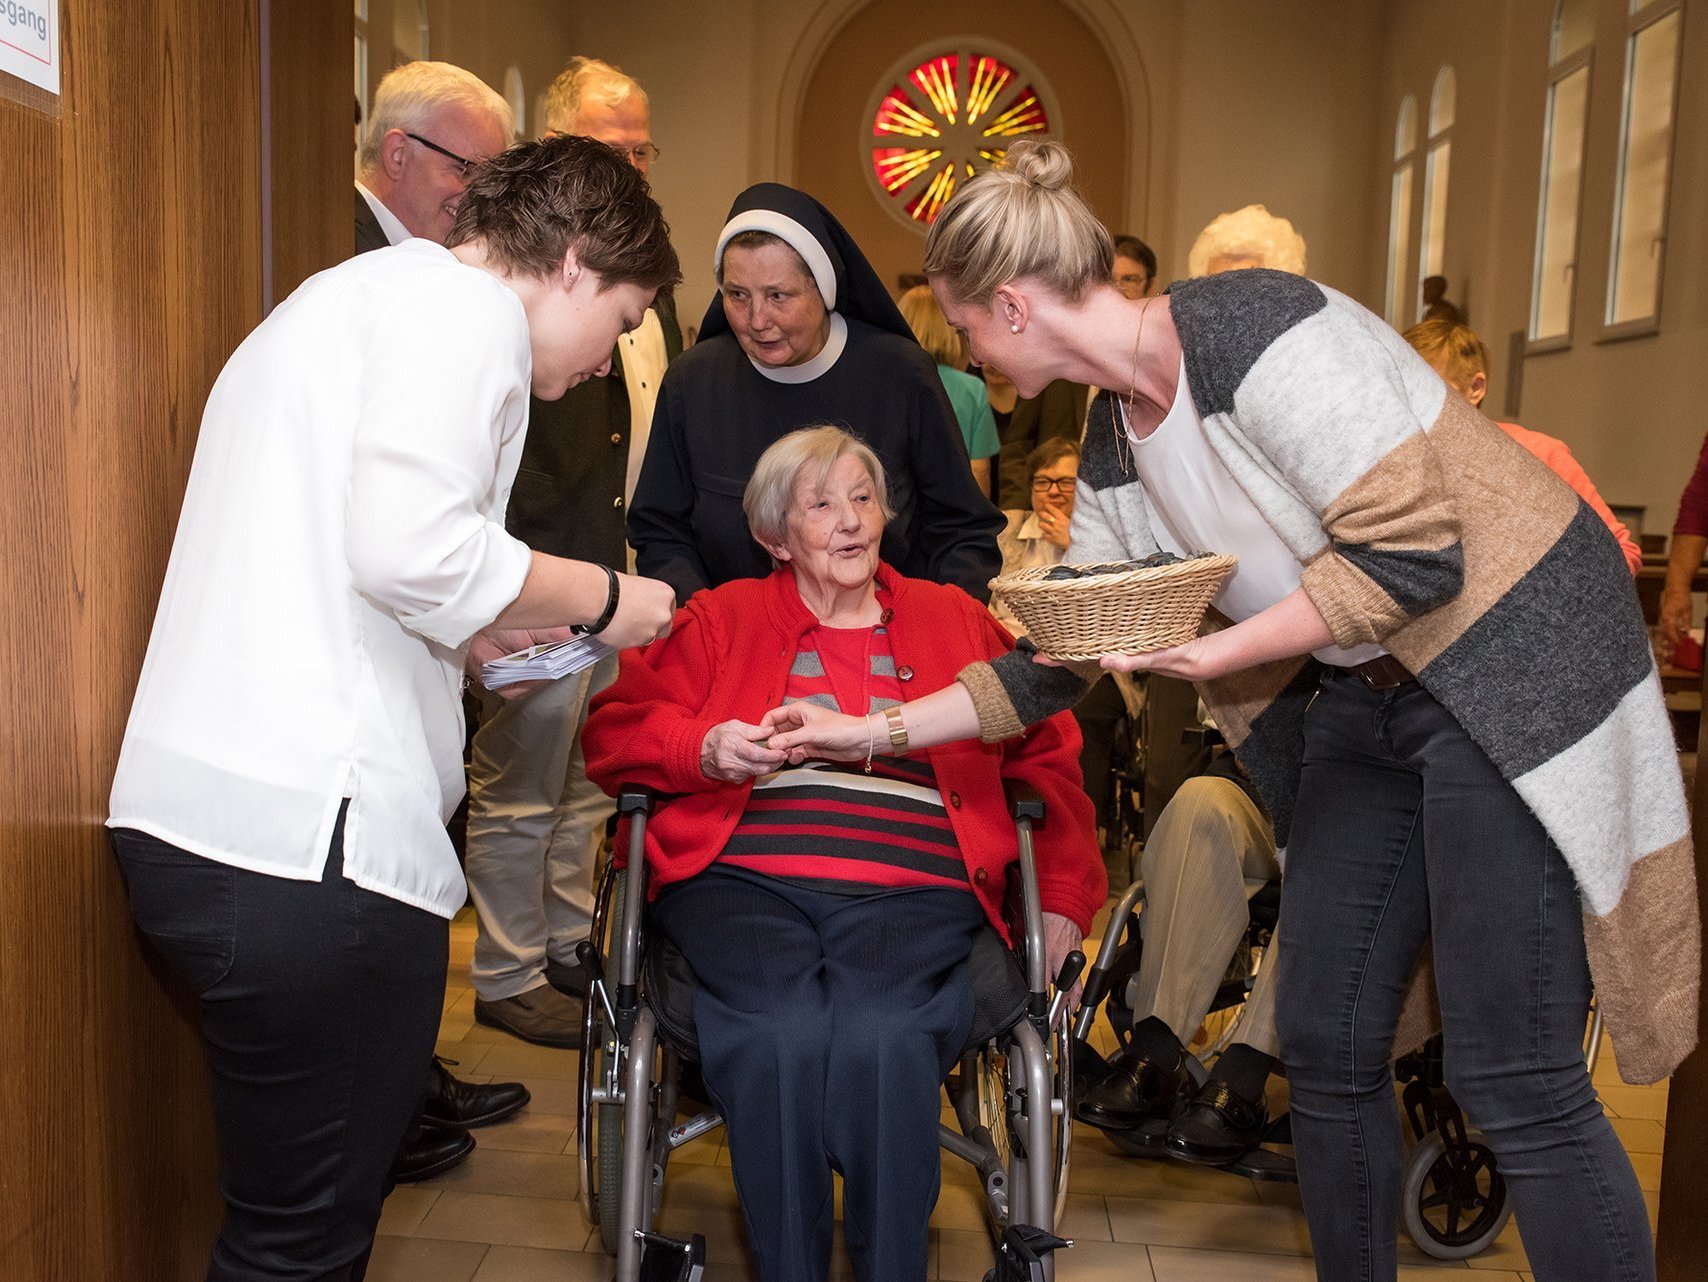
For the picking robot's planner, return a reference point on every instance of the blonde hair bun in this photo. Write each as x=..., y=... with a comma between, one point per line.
x=1040, y=162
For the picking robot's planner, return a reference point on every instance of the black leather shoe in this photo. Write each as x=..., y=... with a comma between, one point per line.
x=432, y=1150
x=1138, y=1089
x=1217, y=1126
x=451, y=1102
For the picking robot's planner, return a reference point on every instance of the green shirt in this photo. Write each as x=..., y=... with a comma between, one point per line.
x=972, y=412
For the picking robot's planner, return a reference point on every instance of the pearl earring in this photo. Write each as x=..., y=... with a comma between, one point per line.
x=1014, y=329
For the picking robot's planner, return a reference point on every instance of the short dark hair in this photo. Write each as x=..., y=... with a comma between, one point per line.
x=531, y=204
x=1132, y=247
x=1050, y=451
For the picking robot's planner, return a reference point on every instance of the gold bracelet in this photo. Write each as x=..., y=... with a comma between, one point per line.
x=898, y=731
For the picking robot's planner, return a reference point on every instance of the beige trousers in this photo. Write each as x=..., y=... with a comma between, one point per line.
x=1210, y=850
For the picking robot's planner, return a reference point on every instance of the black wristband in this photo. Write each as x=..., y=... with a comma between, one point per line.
x=612, y=594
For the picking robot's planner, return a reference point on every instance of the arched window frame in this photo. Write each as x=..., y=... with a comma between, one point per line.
x=1432, y=236
x=1622, y=317
x=1559, y=206
x=1399, y=287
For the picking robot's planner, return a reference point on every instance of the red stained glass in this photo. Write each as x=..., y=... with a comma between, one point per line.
x=955, y=110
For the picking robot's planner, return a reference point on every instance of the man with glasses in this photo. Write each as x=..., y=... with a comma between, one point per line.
x=535, y=821
x=430, y=123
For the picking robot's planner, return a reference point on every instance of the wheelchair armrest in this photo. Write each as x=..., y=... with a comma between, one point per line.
x=633, y=798
x=1025, y=803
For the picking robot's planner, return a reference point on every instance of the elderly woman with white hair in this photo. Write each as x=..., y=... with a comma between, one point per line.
x=802, y=331
x=1247, y=237
x=828, y=910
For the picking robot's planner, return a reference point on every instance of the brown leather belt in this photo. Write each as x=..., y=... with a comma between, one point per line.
x=1384, y=672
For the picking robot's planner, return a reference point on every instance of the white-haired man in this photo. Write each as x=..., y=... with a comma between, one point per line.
x=430, y=123
x=534, y=819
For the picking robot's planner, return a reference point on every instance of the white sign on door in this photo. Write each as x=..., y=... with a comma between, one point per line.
x=29, y=41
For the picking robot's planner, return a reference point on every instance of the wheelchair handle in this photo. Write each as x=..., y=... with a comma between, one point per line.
x=1025, y=803
x=633, y=798
x=1072, y=964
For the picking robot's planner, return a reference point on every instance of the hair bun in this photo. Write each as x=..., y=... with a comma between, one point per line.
x=1041, y=162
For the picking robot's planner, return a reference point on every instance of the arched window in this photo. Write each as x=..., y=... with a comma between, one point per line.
x=1432, y=244
x=944, y=113
x=1569, y=55
x=1399, y=211
x=1645, y=162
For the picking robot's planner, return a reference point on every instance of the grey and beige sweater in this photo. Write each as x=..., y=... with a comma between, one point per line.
x=1420, y=526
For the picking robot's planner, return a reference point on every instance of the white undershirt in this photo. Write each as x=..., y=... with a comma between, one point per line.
x=1197, y=506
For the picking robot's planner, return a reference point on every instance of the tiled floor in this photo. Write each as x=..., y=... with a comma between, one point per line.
x=511, y=1214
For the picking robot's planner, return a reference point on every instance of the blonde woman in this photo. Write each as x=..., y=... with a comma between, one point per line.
x=1403, y=563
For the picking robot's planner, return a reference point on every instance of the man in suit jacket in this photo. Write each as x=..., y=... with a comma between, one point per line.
x=430, y=122
x=535, y=820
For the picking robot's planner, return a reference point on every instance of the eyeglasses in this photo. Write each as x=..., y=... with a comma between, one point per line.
x=1133, y=281
x=644, y=154
x=1049, y=484
x=463, y=163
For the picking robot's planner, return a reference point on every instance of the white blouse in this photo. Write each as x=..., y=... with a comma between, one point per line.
x=1199, y=507
x=342, y=537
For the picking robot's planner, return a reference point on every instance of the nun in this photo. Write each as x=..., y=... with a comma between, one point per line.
x=802, y=333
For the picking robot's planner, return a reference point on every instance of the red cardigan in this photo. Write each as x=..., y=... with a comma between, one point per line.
x=728, y=656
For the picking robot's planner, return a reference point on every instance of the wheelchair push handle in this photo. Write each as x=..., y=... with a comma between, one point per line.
x=1072, y=964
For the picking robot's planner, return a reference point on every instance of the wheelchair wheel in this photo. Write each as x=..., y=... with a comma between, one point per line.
x=599, y=1128
x=1455, y=1201
x=995, y=1113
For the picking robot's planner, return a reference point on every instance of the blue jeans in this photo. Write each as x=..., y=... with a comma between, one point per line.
x=319, y=1003
x=1406, y=832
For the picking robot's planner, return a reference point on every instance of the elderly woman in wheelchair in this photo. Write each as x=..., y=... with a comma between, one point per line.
x=828, y=911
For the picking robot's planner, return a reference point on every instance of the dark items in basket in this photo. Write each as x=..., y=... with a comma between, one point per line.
x=1060, y=572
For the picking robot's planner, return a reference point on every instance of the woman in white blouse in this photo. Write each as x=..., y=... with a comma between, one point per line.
x=294, y=748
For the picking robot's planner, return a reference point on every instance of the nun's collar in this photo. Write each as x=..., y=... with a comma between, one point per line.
x=819, y=365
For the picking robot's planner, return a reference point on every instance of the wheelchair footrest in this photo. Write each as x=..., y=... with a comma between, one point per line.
x=664, y=1259
x=1021, y=1253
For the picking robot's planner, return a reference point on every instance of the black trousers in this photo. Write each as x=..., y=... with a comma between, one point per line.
x=827, y=1023
x=320, y=1002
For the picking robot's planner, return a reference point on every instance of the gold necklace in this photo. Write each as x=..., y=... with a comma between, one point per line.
x=1132, y=398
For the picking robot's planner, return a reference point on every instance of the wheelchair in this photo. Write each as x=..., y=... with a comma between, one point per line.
x=1010, y=1089
x=1454, y=1203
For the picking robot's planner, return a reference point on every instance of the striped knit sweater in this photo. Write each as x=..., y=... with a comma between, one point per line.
x=1420, y=526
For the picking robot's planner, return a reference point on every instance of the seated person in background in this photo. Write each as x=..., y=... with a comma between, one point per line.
x=1455, y=352
x=1135, y=266
x=1684, y=557
x=1211, y=849
x=1040, y=537
x=828, y=911
x=966, y=391
x=1026, y=422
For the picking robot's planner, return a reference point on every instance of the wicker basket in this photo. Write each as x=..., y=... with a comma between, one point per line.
x=1127, y=613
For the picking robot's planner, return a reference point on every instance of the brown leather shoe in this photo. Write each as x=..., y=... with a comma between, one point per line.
x=541, y=1015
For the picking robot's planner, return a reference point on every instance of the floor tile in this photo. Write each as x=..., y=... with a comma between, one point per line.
x=1263, y=1229
x=406, y=1207
x=404, y=1259
x=505, y=1172
x=531, y=1132
x=531, y=1264
x=1636, y=1101
x=1639, y=1134
x=510, y=1058
x=553, y=1223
